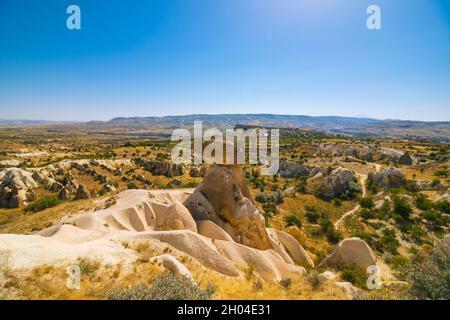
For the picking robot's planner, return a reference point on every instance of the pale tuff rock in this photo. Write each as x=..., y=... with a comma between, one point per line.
x=278, y=246
x=340, y=181
x=210, y=230
x=294, y=248
x=388, y=178
x=360, y=152
x=223, y=198
x=174, y=266
x=16, y=188
x=10, y=163
x=349, y=289
x=151, y=216
x=289, y=192
x=292, y=170
x=352, y=250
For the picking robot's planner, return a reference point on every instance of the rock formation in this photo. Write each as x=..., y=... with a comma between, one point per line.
x=388, y=178
x=352, y=250
x=82, y=193
x=339, y=182
x=224, y=199
x=15, y=187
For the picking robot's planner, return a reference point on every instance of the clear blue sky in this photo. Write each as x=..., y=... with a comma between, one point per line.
x=169, y=57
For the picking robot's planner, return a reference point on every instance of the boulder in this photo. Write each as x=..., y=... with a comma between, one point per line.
x=351, y=250
x=173, y=265
x=224, y=199
x=289, y=192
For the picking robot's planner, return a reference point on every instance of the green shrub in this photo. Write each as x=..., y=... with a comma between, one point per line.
x=43, y=203
x=132, y=185
x=366, y=203
x=367, y=214
x=422, y=202
x=292, y=220
x=402, y=208
x=388, y=241
x=285, y=283
x=312, y=217
x=165, y=287
x=354, y=274
x=442, y=206
x=430, y=279
x=315, y=279
x=327, y=227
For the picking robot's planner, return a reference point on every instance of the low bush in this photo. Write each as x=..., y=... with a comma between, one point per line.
x=292, y=220
x=354, y=274
x=43, y=203
x=165, y=287
x=430, y=279
x=366, y=203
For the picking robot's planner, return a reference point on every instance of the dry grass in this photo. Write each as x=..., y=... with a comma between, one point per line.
x=16, y=221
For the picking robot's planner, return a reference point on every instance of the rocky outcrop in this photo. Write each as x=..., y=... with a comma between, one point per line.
x=52, y=185
x=388, y=178
x=353, y=251
x=405, y=159
x=359, y=151
x=197, y=171
x=224, y=199
x=159, y=168
x=292, y=170
x=82, y=193
x=64, y=195
x=16, y=188
x=339, y=182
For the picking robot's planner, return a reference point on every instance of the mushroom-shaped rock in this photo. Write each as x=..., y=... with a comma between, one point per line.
x=351, y=250
x=224, y=198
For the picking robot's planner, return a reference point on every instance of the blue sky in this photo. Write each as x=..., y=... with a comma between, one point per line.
x=170, y=57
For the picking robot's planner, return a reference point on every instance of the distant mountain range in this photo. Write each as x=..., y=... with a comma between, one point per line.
x=437, y=130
